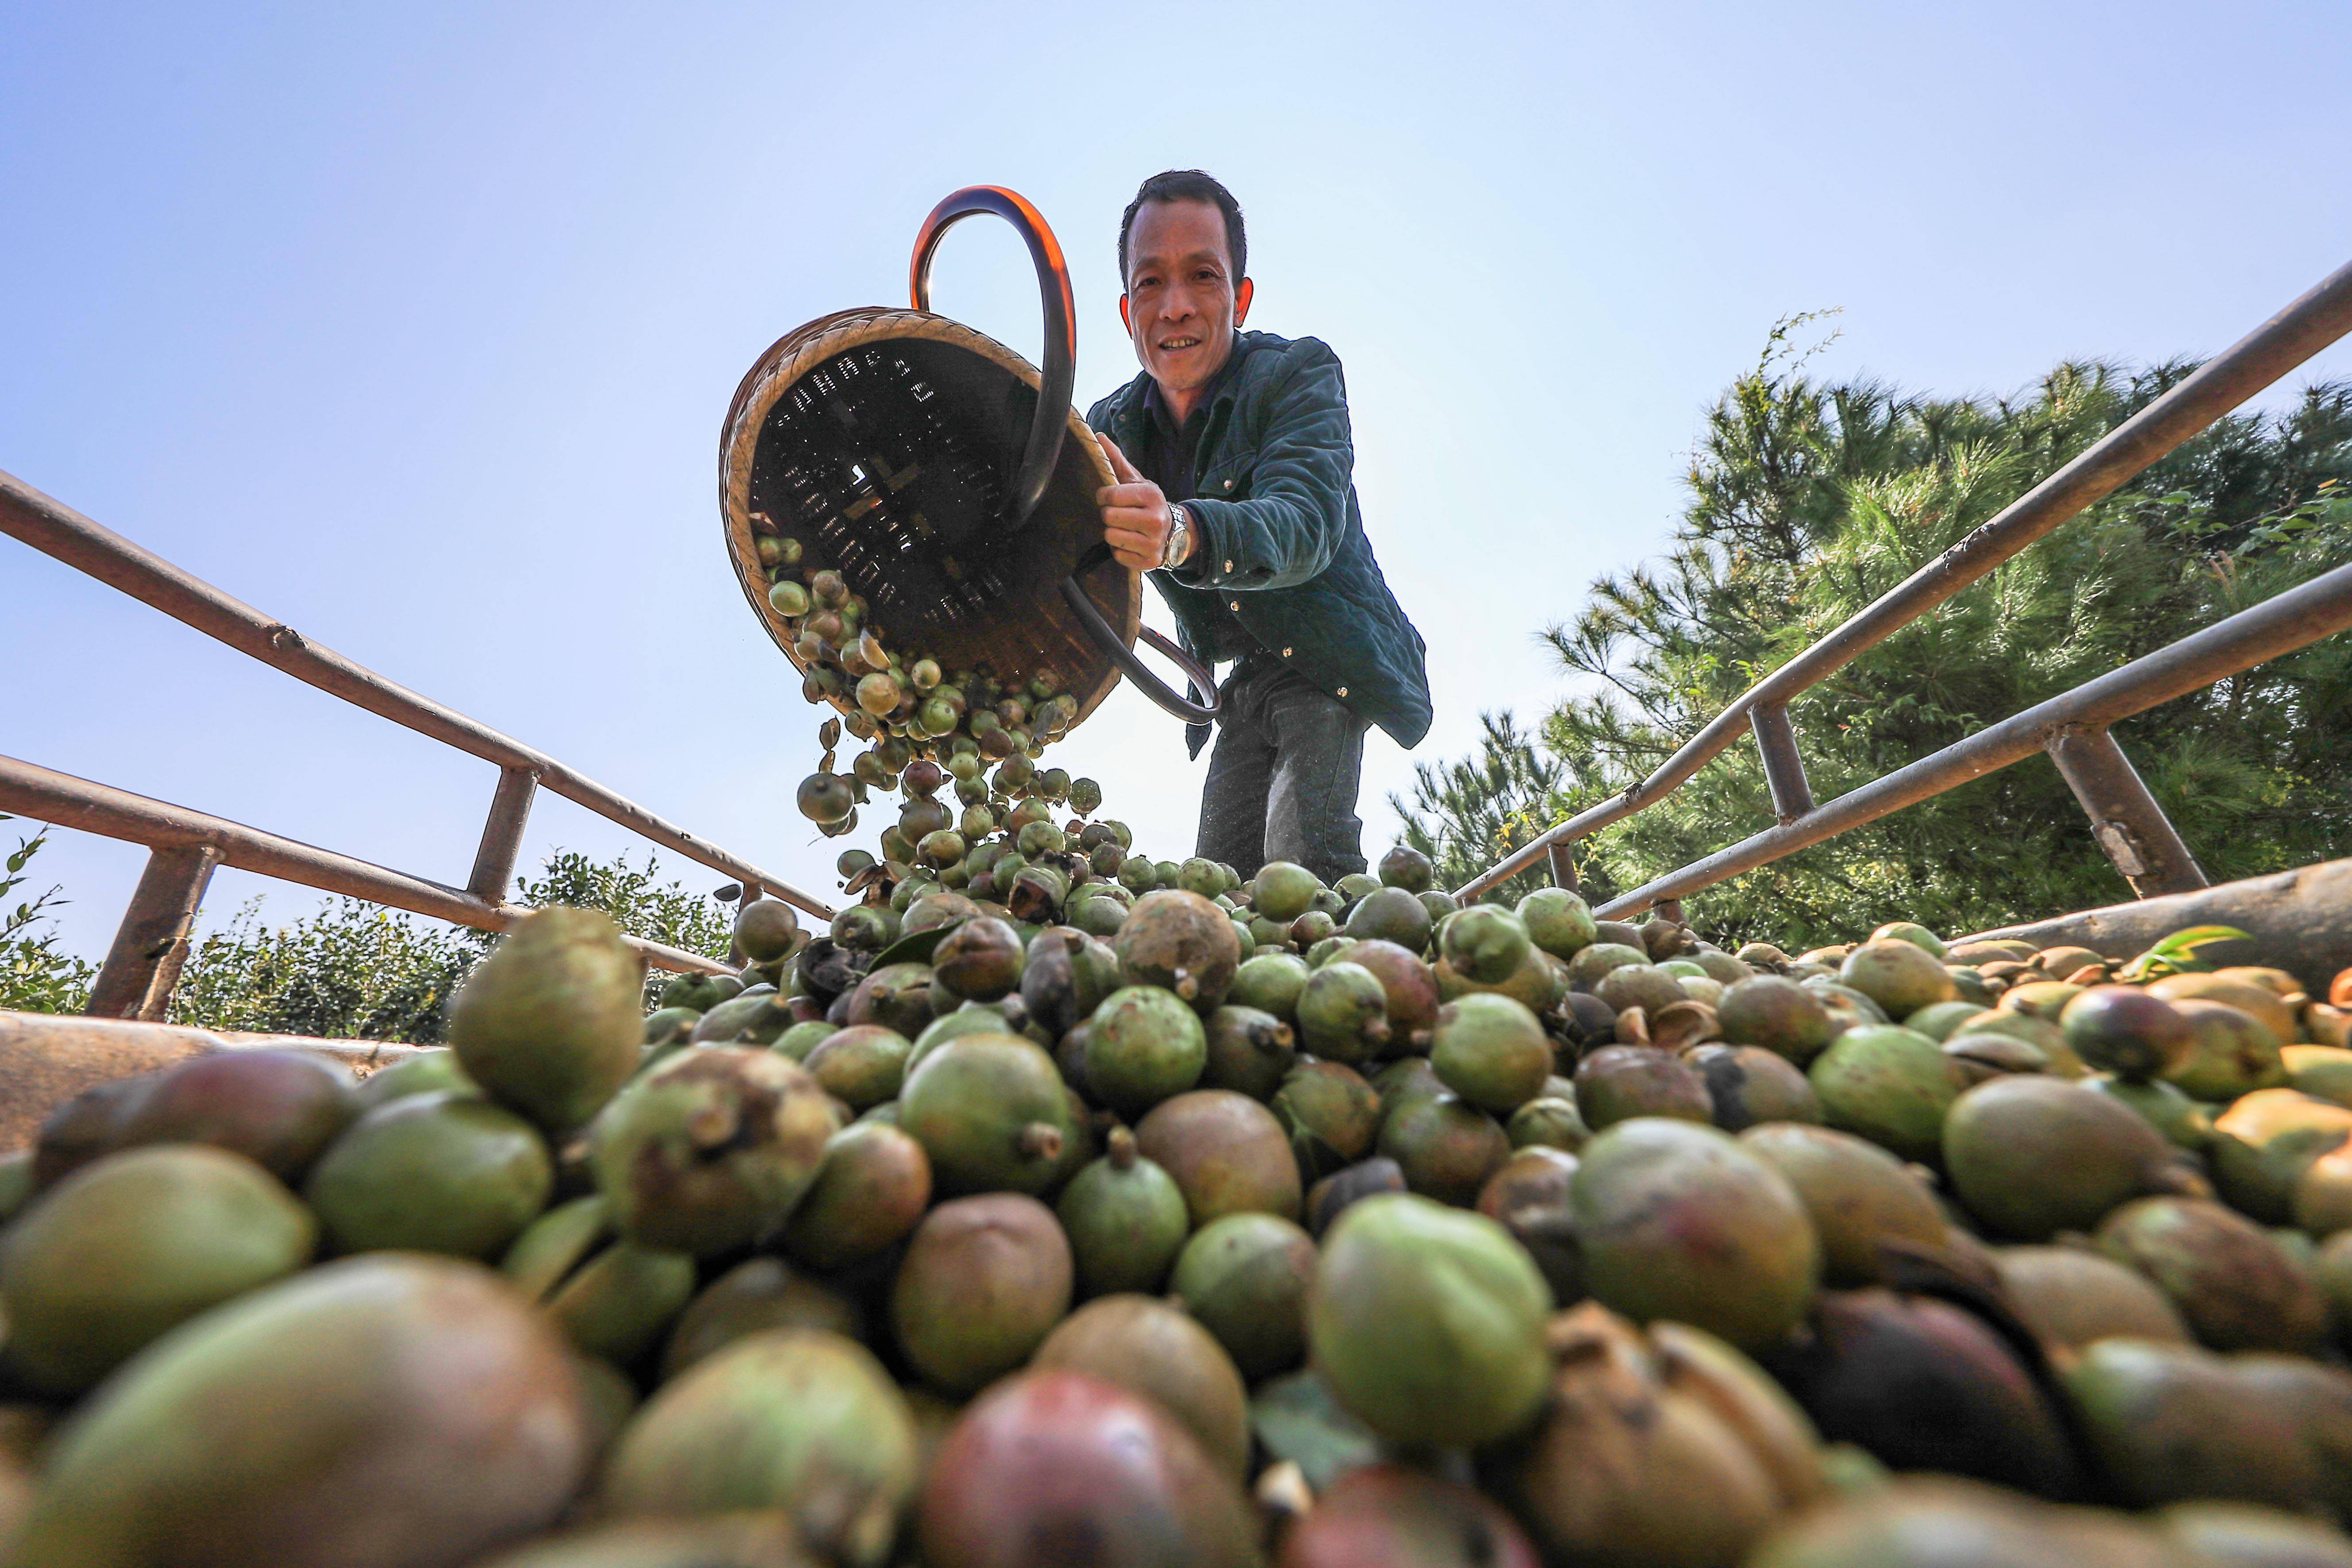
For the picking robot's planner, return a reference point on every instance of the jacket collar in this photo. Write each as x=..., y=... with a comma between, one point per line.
x=1143, y=400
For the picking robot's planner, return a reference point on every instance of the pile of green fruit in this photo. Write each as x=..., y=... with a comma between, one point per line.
x=1118, y=1213
x=904, y=703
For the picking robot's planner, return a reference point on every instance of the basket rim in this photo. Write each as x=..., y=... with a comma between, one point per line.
x=791, y=357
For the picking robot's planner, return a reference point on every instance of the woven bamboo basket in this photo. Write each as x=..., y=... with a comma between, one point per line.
x=948, y=480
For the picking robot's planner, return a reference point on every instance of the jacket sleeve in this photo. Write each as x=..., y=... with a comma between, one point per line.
x=1297, y=515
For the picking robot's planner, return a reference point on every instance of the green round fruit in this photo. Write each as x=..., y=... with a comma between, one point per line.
x=134, y=1244
x=796, y=1043
x=1889, y=1084
x=432, y=1173
x=756, y=1296
x=1143, y=1046
x=1550, y=1122
x=1485, y=943
x=1284, y=891
x=1596, y=959
x=1126, y=1220
x=1899, y=975
x=2031, y=1156
x=2072, y=1297
x=1245, y=1279
x=1917, y=934
x=2230, y=1052
x=1407, y=868
x=804, y=1422
x=1446, y=1146
x=1342, y=1013
x=861, y=1066
x=549, y=1023
x=1492, y=1051
x=710, y=1150
x=386, y=1409
x=426, y=1072
x=617, y=1304
x=1201, y=876
x=2266, y=1141
x=1428, y=1322
x=1643, y=986
x=767, y=929
x=1559, y=922
x=1937, y=1021
x=1749, y=1085
x=1390, y=915
x=1249, y=1051
x=2181, y=1120
x=1332, y=1114
x=991, y=1112
x=1856, y=1193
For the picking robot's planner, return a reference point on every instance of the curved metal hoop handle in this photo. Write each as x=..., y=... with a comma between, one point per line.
x=1061, y=369
x=1109, y=640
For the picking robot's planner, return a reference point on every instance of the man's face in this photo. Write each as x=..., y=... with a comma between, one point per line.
x=1182, y=301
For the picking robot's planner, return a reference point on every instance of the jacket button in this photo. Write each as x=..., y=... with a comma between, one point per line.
x=1229, y=483
x=1343, y=691
x=1236, y=606
x=1229, y=566
x=1286, y=653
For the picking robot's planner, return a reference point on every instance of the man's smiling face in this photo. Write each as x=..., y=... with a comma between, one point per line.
x=1182, y=301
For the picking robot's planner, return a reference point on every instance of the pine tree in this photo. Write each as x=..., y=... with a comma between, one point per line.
x=1807, y=502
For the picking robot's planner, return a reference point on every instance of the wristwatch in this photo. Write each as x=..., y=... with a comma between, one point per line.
x=1179, y=534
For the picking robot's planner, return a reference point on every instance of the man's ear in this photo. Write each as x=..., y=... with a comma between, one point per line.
x=1123, y=319
x=1241, y=296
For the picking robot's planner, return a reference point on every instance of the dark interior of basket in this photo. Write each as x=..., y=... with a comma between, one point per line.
x=890, y=463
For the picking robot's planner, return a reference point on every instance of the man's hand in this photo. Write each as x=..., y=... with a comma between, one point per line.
x=1134, y=514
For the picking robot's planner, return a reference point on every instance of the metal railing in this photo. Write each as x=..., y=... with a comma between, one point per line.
x=143, y=964
x=2071, y=727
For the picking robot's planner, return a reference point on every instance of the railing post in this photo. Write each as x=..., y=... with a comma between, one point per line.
x=1784, y=770
x=150, y=946
x=2125, y=818
x=1562, y=853
x=494, y=862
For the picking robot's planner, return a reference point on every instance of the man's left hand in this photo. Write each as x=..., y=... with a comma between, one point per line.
x=1134, y=514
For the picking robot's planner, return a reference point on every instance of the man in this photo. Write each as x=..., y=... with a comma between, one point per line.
x=1234, y=487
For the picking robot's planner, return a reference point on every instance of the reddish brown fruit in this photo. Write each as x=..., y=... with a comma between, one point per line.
x=1227, y=1153
x=1061, y=1468
x=280, y=1109
x=1386, y=1516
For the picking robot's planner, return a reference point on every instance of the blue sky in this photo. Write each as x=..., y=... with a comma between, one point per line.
x=412, y=326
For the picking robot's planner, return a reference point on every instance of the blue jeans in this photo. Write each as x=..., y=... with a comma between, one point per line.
x=1283, y=776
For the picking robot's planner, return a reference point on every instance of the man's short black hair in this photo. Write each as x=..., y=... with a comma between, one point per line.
x=1188, y=185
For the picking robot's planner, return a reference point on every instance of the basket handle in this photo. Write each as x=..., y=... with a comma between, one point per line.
x=1109, y=640
x=1061, y=370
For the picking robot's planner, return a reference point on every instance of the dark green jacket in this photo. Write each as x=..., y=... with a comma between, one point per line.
x=1283, y=554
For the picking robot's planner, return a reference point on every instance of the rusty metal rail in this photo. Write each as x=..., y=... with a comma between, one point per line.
x=2073, y=727
x=143, y=965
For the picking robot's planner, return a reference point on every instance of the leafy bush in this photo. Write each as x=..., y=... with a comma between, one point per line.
x=355, y=970
x=34, y=977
